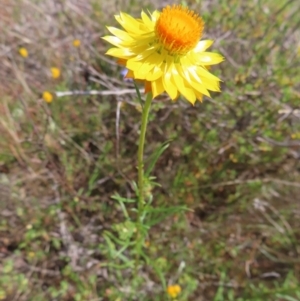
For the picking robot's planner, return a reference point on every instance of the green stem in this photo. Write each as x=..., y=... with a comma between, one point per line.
x=141, y=202
x=145, y=114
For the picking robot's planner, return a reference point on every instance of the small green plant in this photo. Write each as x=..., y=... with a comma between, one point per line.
x=171, y=59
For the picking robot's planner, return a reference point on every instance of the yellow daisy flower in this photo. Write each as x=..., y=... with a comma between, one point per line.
x=55, y=72
x=165, y=51
x=76, y=43
x=23, y=52
x=173, y=290
x=47, y=96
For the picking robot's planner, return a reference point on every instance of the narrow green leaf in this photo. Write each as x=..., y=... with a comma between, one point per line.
x=155, y=156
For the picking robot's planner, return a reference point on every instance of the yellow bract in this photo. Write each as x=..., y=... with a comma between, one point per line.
x=164, y=51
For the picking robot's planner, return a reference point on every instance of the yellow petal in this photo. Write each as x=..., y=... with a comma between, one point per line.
x=189, y=94
x=177, y=79
x=212, y=85
x=123, y=35
x=200, y=88
x=144, y=69
x=204, y=73
x=199, y=96
x=147, y=21
x=141, y=51
x=203, y=45
x=197, y=83
x=157, y=87
x=155, y=15
x=149, y=64
x=204, y=80
x=113, y=40
x=207, y=58
x=129, y=23
x=169, y=87
x=154, y=74
x=133, y=65
x=185, y=91
x=119, y=53
x=143, y=55
x=147, y=38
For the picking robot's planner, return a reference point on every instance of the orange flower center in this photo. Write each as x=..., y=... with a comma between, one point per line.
x=178, y=29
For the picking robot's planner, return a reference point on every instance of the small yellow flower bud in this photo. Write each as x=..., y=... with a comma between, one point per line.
x=76, y=43
x=55, y=72
x=23, y=52
x=47, y=96
x=173, y=290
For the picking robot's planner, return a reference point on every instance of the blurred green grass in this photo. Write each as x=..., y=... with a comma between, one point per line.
x=234, y=159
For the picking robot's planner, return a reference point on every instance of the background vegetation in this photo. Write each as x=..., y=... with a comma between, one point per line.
x=233, y=160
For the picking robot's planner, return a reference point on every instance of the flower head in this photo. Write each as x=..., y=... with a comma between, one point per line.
x=47, y=96
x=76, y=43
x=55, y=72
x=173, y=290
x=165, y=51
x=23, y=52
